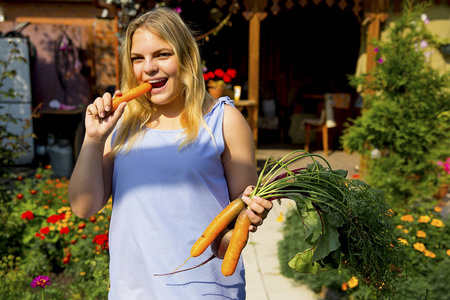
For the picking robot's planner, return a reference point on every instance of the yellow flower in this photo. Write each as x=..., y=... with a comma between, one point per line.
x=437, y=223
x=407, y=218
x=424, y=219
x=421, y=234
x=437, y=209
x=405, y=230
x=353, y=282
x=52, y=228
x=280, y=217
x=82, y=273
x=419, y=247
x=429, y=254
x=448, y=252
x=400, y=226
x=402, y=241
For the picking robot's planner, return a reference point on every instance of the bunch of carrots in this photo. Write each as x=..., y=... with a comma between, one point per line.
x=346, y=222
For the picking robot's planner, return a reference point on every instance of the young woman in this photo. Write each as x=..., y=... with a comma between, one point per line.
x=171, y=160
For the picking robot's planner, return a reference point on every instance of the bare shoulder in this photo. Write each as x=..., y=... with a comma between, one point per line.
x=233, y=118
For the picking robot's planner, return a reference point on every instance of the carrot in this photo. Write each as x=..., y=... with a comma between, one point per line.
x=217, y=225
x=130, y=95
x=220, y=222
x=237, y=243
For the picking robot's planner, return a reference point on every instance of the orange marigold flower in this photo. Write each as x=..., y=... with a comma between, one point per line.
x=81, y=225
x=407, y=218
x=353, y=282
x=400, y=226
x=429, y=254
x=419, y=247
x=405, y=230
x=424, y=219
x=93, y=219
x=402, y=241
x=437, y=209
x=437, y=223
x=448, y=252
x=19, y=196
x=66, y=260
x=421, y=234
x=38, y=176
x=344, y=286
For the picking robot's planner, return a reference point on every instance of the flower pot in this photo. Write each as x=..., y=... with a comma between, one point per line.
x=215, y=92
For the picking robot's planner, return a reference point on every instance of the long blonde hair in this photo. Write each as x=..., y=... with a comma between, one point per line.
x=168, y=25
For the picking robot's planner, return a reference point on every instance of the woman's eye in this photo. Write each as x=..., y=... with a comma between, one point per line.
x=135, y=59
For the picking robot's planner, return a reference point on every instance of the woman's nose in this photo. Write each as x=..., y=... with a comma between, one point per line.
x=150, y=66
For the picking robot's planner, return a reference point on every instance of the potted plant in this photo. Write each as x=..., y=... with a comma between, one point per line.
x=218, y=80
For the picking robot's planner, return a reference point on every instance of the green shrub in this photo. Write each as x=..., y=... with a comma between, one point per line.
x=404, y=128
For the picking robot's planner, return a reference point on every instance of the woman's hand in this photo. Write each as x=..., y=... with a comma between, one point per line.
x=259, y=208
x=98, y=124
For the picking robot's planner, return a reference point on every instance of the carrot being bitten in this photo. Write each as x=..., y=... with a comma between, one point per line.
x=130, y=95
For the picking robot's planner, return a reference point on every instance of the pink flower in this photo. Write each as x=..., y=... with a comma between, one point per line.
x=41, y=281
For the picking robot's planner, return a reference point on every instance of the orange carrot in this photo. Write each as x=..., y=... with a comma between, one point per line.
x=130, y=95
x=220, y=222
x=237, y=243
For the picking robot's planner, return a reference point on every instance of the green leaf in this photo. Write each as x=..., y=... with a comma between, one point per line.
x=302, y=263
x=311, y=223
x=328, y=240
x=340, y=172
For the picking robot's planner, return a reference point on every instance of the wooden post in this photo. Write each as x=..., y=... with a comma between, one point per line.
x=253, y=72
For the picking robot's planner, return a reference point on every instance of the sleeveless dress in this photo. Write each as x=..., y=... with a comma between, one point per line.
x=163, y=199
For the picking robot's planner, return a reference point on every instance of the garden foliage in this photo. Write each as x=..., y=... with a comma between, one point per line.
x=41, y=236
x=427, y=238
x=404, y=128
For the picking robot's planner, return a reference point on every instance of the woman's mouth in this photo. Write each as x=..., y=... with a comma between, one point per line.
x=159, y=83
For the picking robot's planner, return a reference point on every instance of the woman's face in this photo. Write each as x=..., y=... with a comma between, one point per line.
x=154, y=61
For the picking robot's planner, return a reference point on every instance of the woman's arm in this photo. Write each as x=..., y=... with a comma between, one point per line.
x=91, y=182
x=240, y=164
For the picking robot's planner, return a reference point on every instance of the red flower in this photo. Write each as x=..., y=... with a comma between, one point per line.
x=33, y=192
x=28, y=215
x=93, y=219
x=64, y=230
x=81, y=225
x=39, y=236
x=73, y=242
x=66, y=260
x=19, y=178
x=55, y=218
x=232, y=73
x=19, y=196
x=47, y=167
x=84, y=236
x=219, y=73
x=45, y=230
x=38, y=176
x=102, y=240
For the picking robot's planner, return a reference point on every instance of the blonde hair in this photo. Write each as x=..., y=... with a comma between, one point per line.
x=169, y=26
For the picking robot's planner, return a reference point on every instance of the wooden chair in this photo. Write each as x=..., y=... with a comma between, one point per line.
x=326, y=119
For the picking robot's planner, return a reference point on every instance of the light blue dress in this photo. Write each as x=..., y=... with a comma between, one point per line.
x=163, y=199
